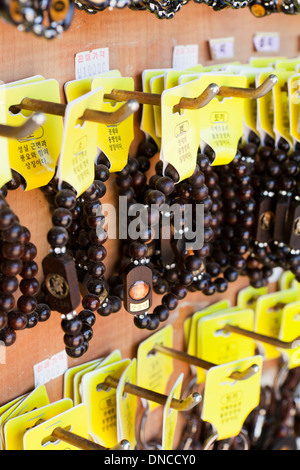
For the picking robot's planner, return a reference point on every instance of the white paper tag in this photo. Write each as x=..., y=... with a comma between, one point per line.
x=185, y=56
x=266, y=42
x=50, y=369
x=222, y=48
x=91, y=63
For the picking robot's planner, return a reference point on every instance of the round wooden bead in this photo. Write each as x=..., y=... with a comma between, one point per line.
x=29, y=270
x=76, y=352
x=29, y=287
x=57, y=237
x=43, y=311
x=17, y=320
x=96, y=286
x=138, y=250
x=162, y=312
x=96, y=269
x=3, y=320
x=26, y=304
x=141, y=321
x=62, y=217
x=11, y=267
x=87, y=332
x=170, y=301
x=154, y=322
x=65, y=198
x=8, y=285
x=165, y=185
x=8, y=336
x=116, y=303
x=72, y=326
x=98, y=237
x=13, y=233
x=105, y=309
x=73, y=341
x=87, y=317
x=96, y=253
x=7, y=302
x=179, y=290
x=29, y=252
x=7, y=218
x=32, y=320
x=155, y=197
x=91, y=302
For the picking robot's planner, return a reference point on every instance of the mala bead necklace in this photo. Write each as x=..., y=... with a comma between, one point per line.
x=17, y=261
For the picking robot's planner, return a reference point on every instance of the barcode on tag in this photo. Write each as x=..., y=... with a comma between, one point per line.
x=50, y=369
x=266, y=42
x=91, y=63
x=222, y=48
x=185, y=56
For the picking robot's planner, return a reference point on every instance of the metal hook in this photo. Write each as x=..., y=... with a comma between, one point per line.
x=263, y=338
x=196, y=361
x=59, y=109
x=85, y=444
x=179, y=405
x=18, y=132
x=253, y=93
x=210, y=441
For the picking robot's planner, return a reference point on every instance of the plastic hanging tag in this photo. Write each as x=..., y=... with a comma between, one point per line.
x=286, y=279
x=294, y=111
x=290, y=331
x=69, y=377
x=287, y=64
x=154, y=369
x=282, y=108
x=265, y=111
x=147, y=121
x=265, y=61
x=127, y=406
x=101, y=402
x=115, y=139
x=247, y=297
x=5, y=172
x=216, y=345
x=34, y=156
x=79, y=145
x=268, y=317
x=76, y=88
x=40, y=437
x=157, y=86
x=15, y=428
x=5, y=411
x=172, y=76
x=221, y=120
x=227, y=402
x=170, y=416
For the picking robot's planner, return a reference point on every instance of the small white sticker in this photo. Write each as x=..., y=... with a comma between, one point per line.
x=91, y=63
x=266, y=42
x=185, y=56
x=50, y=369
x=222, y=48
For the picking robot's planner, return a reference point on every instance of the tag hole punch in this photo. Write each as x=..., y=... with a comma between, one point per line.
x=80, y=124
x=48, y=440
x=103, y=387
x=15, y=111
x=222, y=332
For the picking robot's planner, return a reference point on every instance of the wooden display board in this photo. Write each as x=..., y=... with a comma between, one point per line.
x=136, y=41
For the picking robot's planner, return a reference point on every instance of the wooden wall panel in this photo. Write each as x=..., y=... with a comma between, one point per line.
x=136, y=41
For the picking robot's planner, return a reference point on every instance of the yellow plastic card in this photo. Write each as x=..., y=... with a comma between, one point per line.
x=170, y=416
x=282, y=108
x=286, y=279
x=294, y=111
x=69, y=377
x=247, y=297
x=265, y=111
x=269, y=314
x=76, y=88
x=264, y=61
x=290, y=331
x=287, y=64
x=35, y=156
x=73, y=420
x=127, y=406
x=101, y=403
x=148, y=121
x=173, y=76
x=180, y=129
x=15, y=428
x=157, y=86
x=79, y=145
x=154, y=370
x=216, y=67
x=221, y=120
x=5, y=171
x=227, y=402
x=115, y=139
x=7, y=410
x=218, y=346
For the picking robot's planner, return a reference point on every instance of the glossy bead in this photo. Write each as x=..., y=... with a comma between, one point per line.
x=221, y=284
x=87, y=317
x=72, y=326
x=105, y=309
x=7, y=218
x=179, y=290
x=93, y=208
x=124, y=182
x=32, y=320
x=147, y=148
x=91, y=302
x=29, y=253
x=144, y=163
x=185, y=278
x=170, y=301
x=138, y=250
x=96, y=253
x=153, y=323
x=29, y=270
x=172, y=173
x=87, y=332
x=210, y=289
x=96, y=269
x=29, y=287
x=26, y=304
x=57, y=237
x=165, y=185
x=161, y=287
x=8, y=336
x=162, y=311
x=230, y=274
x=116, y=303
x=141, y=321
x=138, y=180
x=73, y=341
x=8, y=285
x=13, y=233
x=3, y=320
x=213, y=269
x=98, y=237
x=65, y=198
x=155, y=197
x=43, y=311
x=101, y=172
x=62, y=217
x=76, y=352
x=101, y=190
x=11, y=267
x=17, y=320
x=95, y=286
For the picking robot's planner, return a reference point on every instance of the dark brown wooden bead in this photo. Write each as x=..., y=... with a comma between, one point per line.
x=147, y=148
x=62, y=217
x=73, y=341
x=25, y=235
x=154, y=322
x=17, y=320
x=200, y=194
x=13, y=233
x=43, y=311
x=96, y=253
x=87, y=332
x=95, y=222
x=101, y=172
x=162, y=311
x=155, y=197
x=165, y=184
x=8, y=285
x=138, y=179
x=29, y=252
x=12, y=250
x=96, y=286
x=26, y=304
x=72, y=326
x=65, y=198
x=11, y=267
x=185, y=190
x=96, y=269
x=98, y=237
x=179, y=290
x=92, y=208
x=29, y=287
x=29, y=270
x=57, y=237
x=91, y=302
x=3, y=320
x=138, y=250
x=124, y=182
x=81, y=257
x=7, y=218
x=87, y=317
x=32, y=319
x=8, y=336
x=170, y=300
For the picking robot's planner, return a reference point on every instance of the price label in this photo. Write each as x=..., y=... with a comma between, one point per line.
x=222, y=48
x=266, y=42
x=185, y=56
x=50, y=369
x=91, y=63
